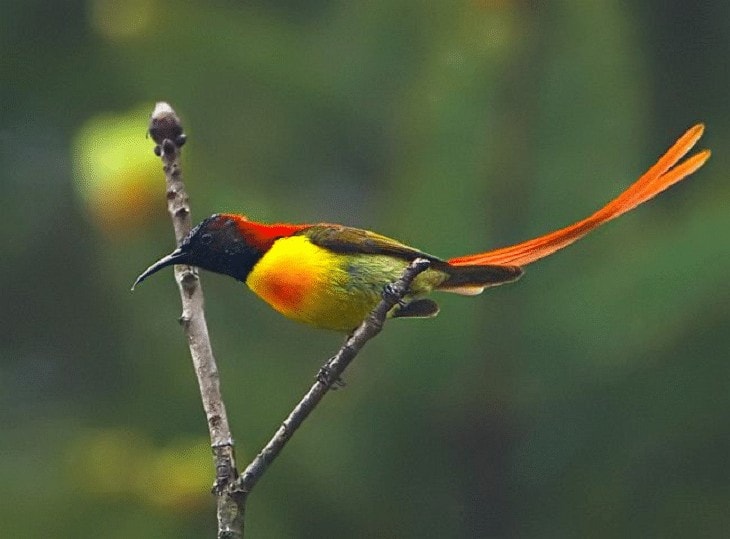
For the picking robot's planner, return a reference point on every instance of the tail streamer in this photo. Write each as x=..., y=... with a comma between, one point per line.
x=655, y=180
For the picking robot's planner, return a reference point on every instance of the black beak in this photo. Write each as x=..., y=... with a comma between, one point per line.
x=178, y=256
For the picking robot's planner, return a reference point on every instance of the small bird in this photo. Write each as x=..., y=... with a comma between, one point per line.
x=331, y=276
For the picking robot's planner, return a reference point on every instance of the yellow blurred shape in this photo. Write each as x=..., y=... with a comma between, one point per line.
x=102, y=461
x=121, y=462
x=121, y=19
x=179, y=476
x=117, y=177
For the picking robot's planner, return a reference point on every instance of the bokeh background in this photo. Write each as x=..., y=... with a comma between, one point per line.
x=588, y=400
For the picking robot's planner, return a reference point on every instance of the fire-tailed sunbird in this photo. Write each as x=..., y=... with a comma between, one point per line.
x=332, y=276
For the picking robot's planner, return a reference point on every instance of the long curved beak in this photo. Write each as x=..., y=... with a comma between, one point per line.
x=178, y=256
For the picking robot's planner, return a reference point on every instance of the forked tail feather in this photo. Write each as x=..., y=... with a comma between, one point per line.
x=655, y=180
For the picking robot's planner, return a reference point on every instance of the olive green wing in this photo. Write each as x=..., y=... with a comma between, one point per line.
x=347, y=240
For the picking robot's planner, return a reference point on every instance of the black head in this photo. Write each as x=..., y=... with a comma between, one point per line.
x=216, y=244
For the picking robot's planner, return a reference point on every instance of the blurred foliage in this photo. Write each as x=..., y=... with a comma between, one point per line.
x=112, y=164
x=591, y=399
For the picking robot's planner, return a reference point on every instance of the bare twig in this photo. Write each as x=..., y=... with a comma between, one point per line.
x=328, y=375
x=167, y=132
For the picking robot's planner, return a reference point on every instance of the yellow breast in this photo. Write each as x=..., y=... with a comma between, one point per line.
x=305, y=282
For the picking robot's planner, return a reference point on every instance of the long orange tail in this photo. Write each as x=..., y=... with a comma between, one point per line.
x=658, y=178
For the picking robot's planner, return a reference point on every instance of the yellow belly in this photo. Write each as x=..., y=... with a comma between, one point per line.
x=329, y=290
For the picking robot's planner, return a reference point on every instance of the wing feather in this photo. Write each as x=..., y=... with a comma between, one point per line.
x=348, y=240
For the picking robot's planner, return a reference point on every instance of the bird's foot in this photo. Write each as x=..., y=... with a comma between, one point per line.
x=391, y=294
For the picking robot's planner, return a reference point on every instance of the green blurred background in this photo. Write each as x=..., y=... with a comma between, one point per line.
x=588, y=400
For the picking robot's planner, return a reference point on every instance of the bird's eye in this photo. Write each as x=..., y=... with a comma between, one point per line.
x=206, y=238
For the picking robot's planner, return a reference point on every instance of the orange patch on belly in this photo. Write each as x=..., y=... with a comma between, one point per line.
x=284, y=290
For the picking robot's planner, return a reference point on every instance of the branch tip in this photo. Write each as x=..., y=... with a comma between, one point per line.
x=421, y=264
x=162, y=108
x=165, y=125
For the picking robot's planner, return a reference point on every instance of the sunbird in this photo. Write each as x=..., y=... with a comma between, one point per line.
x=331, y=276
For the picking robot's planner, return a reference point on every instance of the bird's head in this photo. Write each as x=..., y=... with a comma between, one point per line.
x=217, y=244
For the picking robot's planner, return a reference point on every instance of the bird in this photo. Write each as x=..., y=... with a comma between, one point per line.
x=332, y=276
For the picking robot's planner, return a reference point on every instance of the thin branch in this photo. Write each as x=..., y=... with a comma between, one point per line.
x=329, y=374
x=167, y=132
